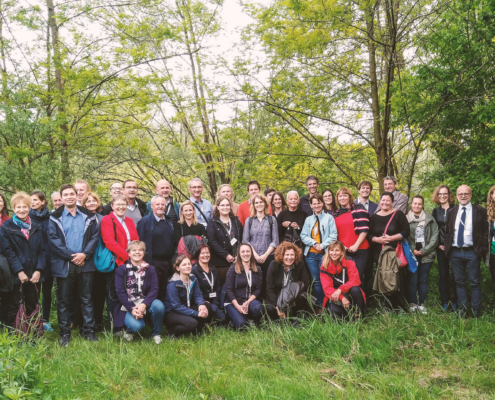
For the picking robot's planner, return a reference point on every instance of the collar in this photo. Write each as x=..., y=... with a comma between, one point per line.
x=67, y=212
x=366, y=202
x=159, y=219
x=121, y=220
x=196, y=201
x=468, y=206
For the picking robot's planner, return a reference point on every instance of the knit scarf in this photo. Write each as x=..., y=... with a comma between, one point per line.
x=135, y=277
x=40, y=214
x=421, y=220
x=25, y=226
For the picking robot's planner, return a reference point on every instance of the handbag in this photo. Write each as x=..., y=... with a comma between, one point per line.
x=32, y=324
x=292, y=236
x=288, y=295
x=104, y=259
x=398, y=250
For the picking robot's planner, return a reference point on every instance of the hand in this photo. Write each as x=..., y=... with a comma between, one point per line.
x=78, y=258
x=136, y=313
x=203, y=310
x=280, y=314
x=36, y=277
x=294, y=225
x=417, y=252
x=345, y=303
x=441, y=248
x=261, y=259
x=230, y=258
x=318, y=247
x=353, y=248
x=335, y=295
x=388, y=238
x=286, y=224
x=22, y=277
x=142, y=308
x=380, y=239
x=240, y=309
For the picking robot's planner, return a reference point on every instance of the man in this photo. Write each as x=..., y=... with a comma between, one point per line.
x=244, y=210
x=466, y=244
x=172, y=208
x=82, y=188
x=136, y=208
x=116, y=189
x=56, y=200
x=73, y=234
x=204, y=208
x=158, y=233
x=312, y=186
x=400, y=199
x=364, y=189
x=291, y=221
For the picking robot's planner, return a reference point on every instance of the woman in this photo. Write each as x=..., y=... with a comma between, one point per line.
x=261, y=232
x=291, y=220
x=396, y=231
x=318, y=232
x=188, y=223
x=136, y=286
x=423, y=239
x=444, y=198
x=226, y=190
x=490, y=208
x=207, y=278
x=92, y=202
x=4, y=212
x=243, y=289
x=40, y=214
x=4, y=297
x=330, y=206
x=278, y=203
x=21, y=241
x=185, y=308
x=269, y=195
x=224, y=233
x=353, y=224
x=341, y=283
x=285, y=268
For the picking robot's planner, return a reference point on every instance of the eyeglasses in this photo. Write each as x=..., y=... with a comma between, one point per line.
x=115, y=188
x=131, y=187
x=463, y=194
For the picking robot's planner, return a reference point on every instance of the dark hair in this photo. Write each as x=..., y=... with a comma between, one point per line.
x=334, y=201
x=268, y=191
x=67, y=186
x=281, y=195
x=253, y=183
x=128, y=180
x=5, y=210
x=178, y=261
x=364, y=183
x=311, y=178
x=316, y=196
x=419, y=197
x=391, y=195
x=434, y=196
x=216, y=211
x=198, y=249
x=40, y=196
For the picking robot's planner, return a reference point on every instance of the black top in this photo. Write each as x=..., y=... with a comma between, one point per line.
x=378, y=223
x=298, y=216
x=237, y=285
x=205, y=286
x=275, y=279
x=183, y=229
x=220, y=240
x=305, y=206
x=161, y=250
x=440, y=216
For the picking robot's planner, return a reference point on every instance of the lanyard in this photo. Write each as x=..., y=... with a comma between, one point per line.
x=188, y=291
x=249, y=281
x=287, y=276
x=211, y=283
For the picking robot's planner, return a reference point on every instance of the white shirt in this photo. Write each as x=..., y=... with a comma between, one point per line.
x=365, y=204
x=468, y=225
x=122, y=222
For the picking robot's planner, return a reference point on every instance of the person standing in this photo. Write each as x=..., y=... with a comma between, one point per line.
x=444, y=198
x=466, y=244
x=312, y=186
x=291, y=220
x=82, y=188
x=400, y=199
x=202, y=206
x=329, y=203
x=278, y=203
x=365, y=188
x=226, y=190
x=188, y=223
x=136, y=208
x=162, y=189
x=73, y=233
x=116, y=189
x=269, y=195
x=490, y=256
x=6, y=296
x=157, y=232
x=56, y=200
x=244, y=210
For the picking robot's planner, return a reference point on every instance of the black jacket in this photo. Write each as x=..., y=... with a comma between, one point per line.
x=440, y=217
x=22, y=254
x=219, y=240
x=145, y=231
x=183, y=229
x=305, y=206
x=43, y=222
x=107, y=209
x=205, y=287
x=141, y=206
x=298, y=216
x=236, y=285
x=275, y=279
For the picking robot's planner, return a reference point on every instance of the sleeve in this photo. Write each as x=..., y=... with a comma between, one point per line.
x=132, y=229
x=371, y=233
x=271, y=293
x=174, y=300
x=177, y=234
x=108, y=237
x=41, y=255
x=332, y=232
x=404, y=226
x=353, y=278
x=326, y=283
x=57, y=246
x=275, y=239
x=153, y=292
x=211, y=234
x=306, y=234
x=7, y=250
x=229, y=284
x=259, y=283
x=432, y=244
x=93, y=240
x=246, y=236
x=361, y=220
x=401, y=203
x=240, y=230
x=305, y=276
x=120, y=288
x=141, y=231
x=197, y=294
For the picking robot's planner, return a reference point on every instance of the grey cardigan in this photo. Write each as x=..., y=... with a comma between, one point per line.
x=431, y=238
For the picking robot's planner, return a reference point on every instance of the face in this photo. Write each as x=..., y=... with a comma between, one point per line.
x=417, y=206
x=259, y=205
x=226, y=192
x=289, y=257
x=464, y=194
x=269, y=197
x=81, y=190
x=245, y=253
x=253, y=189
x=119, y=207
x=116, y=189
x=224, y=207
x=21, y=209
x=328, y=198
x=343, y=199
x=335, y=253
x=136, y=254
x=389, y=185
x=69, y=197
x=386, y=203
x=163, y=189
x=317, y=206
x=158, y=207
x=312, y=186
x=2, y=204
x=91, y=204
x=293, y=201
x=277, y=201
x=188, y=212
x=196, y=189
x=365, y=191
x=57, y=200
x=130, y=190
x=185, y=267
x=204, y=256
x=36, y=203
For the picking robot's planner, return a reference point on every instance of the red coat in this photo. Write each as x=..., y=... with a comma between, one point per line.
x=351, y=278
x=108, y=236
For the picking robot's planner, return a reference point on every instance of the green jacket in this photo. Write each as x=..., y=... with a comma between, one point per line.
x=431, y=238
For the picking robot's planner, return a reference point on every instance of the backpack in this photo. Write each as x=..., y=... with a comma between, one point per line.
x=387, y=272
x=6, y=284
x=104, y=259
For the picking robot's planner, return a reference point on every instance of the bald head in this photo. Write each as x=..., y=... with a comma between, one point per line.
x=292, y=200
x=464, y=194
x=163, y=189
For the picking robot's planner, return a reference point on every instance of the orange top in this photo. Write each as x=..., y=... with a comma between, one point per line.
x=315, y=234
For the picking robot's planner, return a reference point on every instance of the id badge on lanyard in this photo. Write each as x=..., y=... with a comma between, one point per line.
x=250, y=281
x=188, y=292
x=212, y=293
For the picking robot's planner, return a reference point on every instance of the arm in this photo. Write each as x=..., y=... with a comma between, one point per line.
x=332, y=232
x=274, y=243
x=174, y=300
x=93, y=240
x=211, y=234
x=153, y=292
x=229, y=284
x=306, y=233
x=197, y=295
x=7, y=250
x=259, y=284
x=327, y=284
x=120, y=288
x=41, y=257
x=246, y=234
x=353, y=278
x=108, y=237
x=271, y=293
x=432, y=244
x=57, y=245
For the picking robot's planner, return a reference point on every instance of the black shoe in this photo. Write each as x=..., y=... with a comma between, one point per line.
x=91, y=337
x=477, y=313
x=64, y=340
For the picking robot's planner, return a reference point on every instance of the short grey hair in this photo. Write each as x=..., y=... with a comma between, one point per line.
x=157, y=197
x=55, y=192
x=292, y=191
x=390, y=178
x=195, y=180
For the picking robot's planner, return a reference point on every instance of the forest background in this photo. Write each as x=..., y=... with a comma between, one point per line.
x=106, y=90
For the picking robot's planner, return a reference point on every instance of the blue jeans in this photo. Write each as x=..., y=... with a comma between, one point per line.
x=467, y=262
x=255, y=311
x=360, y=258
x=443, y=280
x=157, y=310
x=418, y=283
x=313, y=260
x=217, y=311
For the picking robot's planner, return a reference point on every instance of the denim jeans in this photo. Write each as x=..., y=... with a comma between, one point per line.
x=156, y=310
x=418, y=283
x=255, y=311
x=313, y=260
x=443, y=280
x=104, y=289
x=467, y=262
x=46, y=300
x=360, y=258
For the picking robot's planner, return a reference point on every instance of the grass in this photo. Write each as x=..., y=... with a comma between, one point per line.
x=382, y=357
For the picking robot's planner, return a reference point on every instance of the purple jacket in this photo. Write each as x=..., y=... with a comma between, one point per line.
x=150, y=290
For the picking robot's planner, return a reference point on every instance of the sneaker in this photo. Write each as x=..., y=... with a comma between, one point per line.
x=47, y=327
x=64, y=340
x=445, y=307
x=413, y=308
x=422, y=309
x=157, y=339
x=128, y=336
x=90, y=336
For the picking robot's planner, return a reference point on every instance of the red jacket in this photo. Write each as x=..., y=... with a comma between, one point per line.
x=108, y=236
x=350, y=278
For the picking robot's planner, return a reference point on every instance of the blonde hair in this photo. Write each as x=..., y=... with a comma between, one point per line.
x=22, y=197
x=252, y=261
x=347, y=191
x=225, y=185
x=326, y=258
x=490, y=205
x=436, y=200
x=136, y=243
x=94, y=196
x=188, y=203
x=263, y=198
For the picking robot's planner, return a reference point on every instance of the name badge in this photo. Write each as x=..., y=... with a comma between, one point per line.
x=233, y=241
x=213, y=295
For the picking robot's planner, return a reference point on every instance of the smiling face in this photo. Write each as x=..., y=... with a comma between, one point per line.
x=277, y=201
x=253, y=189
x=136, y=254
x=343, y=199
x=119, y=208
x=196, y=189
x=328, y=198
x=386, y=203
x=365, y=191
x=185, y=267
x=158, y=206
x=292, y=201
x=163, y=189
x=245, y=253
x=312, y=186
x=226, y=191
x=91, y=204
x=56, y=200
x=21, y=210
x=464, y=194
x=389, y=185
x=204, y=256
x=36, y=203
x=259, y=205
x=417, y=205
x=317, y=206
x=82, y=189
x=69, y=197
x=269, y=197
x=130, y=190
x=224, y=208
x=443, y=196
x=116, y=189
x=188, y=212
x=289, y=257
x=335, y=253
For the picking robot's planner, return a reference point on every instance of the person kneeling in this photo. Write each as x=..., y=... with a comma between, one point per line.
x=185, y=307
x=136, y=285
x=341, y=284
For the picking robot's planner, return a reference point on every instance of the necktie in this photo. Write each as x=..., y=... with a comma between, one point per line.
x=460, y=233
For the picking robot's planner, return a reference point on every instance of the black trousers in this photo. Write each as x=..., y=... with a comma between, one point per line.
x=5, y=300
x=83, y=281
x=355, y=297
x=264, y=271
x=104, y=290
x=31, y=298
x=46, y=301
x=163, y=270
x=179, y=324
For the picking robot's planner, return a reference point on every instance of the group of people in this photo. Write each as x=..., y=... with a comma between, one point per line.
x=273, y=256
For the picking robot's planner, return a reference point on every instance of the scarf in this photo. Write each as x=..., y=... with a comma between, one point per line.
x=421, y=220
x=40, y=214
x=135, y=277
x=25, y=226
